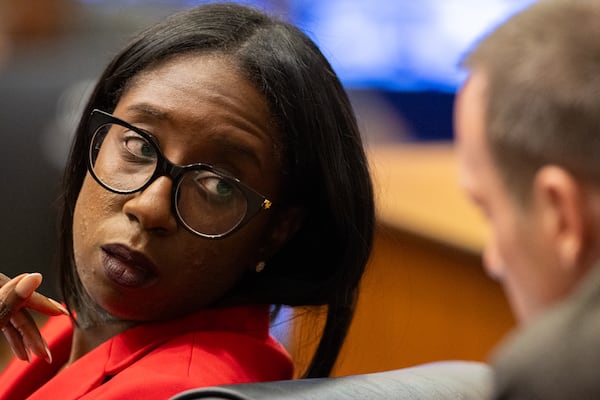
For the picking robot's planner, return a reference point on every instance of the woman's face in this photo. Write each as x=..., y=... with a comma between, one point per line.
x=132, y=256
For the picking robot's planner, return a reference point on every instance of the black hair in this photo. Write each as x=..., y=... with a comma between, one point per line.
x=325, y=167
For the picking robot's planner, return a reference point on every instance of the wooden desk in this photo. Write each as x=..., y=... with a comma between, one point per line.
x=417, y=191
x=425, y=296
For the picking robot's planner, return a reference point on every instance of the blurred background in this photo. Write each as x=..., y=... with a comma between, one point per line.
x=399, y=60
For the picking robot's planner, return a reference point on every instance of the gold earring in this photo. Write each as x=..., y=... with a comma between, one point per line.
x=260, y=266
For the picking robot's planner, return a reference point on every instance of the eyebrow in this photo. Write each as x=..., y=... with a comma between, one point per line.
x=148, y=109
x=236, y=147
x=229, y=145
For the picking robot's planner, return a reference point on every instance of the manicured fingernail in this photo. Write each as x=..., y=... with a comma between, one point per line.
x=28, y=284
x=59, y=306
x=48, y=357
x=21, y=354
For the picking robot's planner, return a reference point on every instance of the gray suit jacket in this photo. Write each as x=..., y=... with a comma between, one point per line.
x=557, y=356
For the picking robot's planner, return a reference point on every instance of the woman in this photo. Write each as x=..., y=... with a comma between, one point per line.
x=217, y=170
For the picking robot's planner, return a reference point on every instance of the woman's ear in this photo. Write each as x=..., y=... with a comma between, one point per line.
x=286, y=223
x=561, y=199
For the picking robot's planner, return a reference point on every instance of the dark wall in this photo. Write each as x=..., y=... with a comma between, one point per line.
x=428, y=114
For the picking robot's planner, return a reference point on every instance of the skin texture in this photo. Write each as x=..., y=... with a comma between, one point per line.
x=200, y=109
x=537, y=249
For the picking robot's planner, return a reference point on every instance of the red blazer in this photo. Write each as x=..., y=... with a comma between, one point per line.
x=154, y=361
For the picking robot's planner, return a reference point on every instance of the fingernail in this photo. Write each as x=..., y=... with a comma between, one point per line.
x=28, y=284
x=21, y=354
x=48, y=357
x=59, y=306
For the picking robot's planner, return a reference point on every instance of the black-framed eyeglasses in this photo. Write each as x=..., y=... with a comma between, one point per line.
x=208, y=202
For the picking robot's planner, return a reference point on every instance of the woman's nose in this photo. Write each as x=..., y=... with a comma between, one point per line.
x=152, y=207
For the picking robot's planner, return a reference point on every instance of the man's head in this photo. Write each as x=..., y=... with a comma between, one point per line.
x=528, y=136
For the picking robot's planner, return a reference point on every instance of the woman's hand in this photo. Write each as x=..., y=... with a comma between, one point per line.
x=16, y=322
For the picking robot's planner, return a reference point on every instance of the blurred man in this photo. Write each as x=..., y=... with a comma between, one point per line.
x=528, y=142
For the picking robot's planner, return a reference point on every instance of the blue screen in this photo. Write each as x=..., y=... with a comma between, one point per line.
x=399, y=45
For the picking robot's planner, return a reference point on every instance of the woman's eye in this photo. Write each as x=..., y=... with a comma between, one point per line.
x=217, y=186
x=139, y=147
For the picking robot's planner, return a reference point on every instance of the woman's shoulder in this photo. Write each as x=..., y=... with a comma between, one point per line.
x=201, y=359
x=230, y=345
x=223, y=355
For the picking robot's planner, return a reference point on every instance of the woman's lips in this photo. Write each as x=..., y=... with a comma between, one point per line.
x=127, y=267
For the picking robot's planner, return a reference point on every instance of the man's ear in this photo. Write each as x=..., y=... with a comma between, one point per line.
x=560, y=198
x=286, y=223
